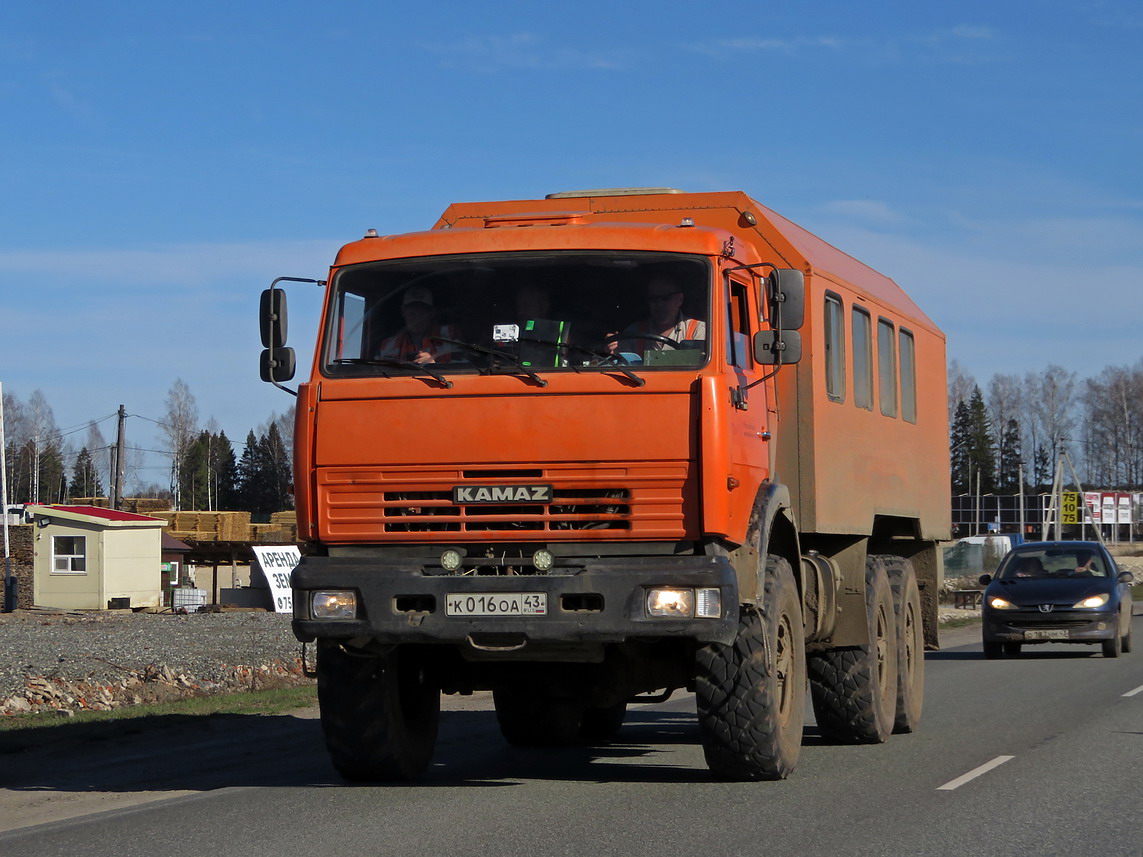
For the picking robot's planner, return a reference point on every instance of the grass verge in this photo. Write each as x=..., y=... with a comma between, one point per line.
x=21, y=731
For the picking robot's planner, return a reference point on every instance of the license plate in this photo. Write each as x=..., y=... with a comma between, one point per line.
x=496, y=604
x=1047, y=634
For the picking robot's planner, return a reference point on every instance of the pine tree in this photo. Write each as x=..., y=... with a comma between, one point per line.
x=959, y=449
x=248, y=471
x=225, y=472
x=275, y=462
x=1010, y=457
x=85, y=481
x=982, y=449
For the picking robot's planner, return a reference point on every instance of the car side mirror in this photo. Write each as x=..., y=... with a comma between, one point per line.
x=772, y=347
x=1126, y=577
x=272, y=318
x=788, y=298
x=984, y=579
x=277, y=364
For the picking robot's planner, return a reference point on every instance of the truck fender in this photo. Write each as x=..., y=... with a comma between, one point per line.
x=771, y=530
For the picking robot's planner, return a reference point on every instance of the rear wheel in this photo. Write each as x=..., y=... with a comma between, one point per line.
x=910, y=643
x=854, y=690
x=379, y=715
x=532, y=718
x=1125, y=646
x=599, y=724
x=751, y=695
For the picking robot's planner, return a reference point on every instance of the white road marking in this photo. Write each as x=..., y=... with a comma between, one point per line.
x=1133, y=692
x=974, y=773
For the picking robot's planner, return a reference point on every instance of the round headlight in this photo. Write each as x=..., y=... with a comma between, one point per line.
x=451, y=559
x=543, y=560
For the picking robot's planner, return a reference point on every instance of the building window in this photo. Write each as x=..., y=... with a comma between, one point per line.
x=834, y=349
x=887, y=367
x=908, y=376
x=69, y=554
x=862, y=359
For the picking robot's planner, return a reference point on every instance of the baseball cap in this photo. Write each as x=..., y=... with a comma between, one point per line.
x=418, y=295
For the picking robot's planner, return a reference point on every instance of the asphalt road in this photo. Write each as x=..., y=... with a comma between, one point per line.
x=1042, y=755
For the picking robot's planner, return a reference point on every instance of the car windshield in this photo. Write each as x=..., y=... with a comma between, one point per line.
x=524, y=313
x=1053, y=562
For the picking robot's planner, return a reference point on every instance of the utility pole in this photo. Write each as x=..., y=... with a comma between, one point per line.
x=9, y=580
x=120, y=447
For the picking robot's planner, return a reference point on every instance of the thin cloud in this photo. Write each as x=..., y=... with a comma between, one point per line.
x=174, y=264
x=868, y=210
x=492, y=53
x=959, y=44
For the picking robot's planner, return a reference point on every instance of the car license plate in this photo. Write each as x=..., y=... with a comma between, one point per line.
x=496, y=604
x=1047, y=634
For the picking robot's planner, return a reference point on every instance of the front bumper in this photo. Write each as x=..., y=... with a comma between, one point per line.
x=1081, y=626
x=601, y=602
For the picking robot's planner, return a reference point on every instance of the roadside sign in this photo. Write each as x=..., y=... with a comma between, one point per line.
x=1069, y=512
x=277, y=562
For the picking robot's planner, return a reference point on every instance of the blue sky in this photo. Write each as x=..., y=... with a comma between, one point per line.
x=161, y=163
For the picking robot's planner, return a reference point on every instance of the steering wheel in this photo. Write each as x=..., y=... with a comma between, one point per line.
x=653, y=337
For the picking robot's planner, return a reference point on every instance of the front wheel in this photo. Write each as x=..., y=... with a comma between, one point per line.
x=379, y=715
x=1112, y=647
x=751, y=695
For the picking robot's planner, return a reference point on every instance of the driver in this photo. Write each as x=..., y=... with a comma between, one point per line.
x=665, y=319
x=1029, y=566
x=418, y=341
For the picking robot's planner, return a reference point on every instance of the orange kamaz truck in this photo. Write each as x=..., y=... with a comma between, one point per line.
x=592, y=449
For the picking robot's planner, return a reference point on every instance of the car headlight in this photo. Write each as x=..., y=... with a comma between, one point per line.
x=998, y=603
x=1093, y=601
x=335, y=604
x=684, y=603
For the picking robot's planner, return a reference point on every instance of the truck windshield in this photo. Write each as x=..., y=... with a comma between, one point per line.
x=524, y=313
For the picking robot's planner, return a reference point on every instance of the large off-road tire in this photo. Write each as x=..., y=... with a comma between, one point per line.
x=379, y=714
x=910, y=643
x=600, y=724
x=854, y=690
x=751, y=695
x=531, y=718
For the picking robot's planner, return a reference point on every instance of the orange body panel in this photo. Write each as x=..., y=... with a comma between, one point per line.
x=376, y=457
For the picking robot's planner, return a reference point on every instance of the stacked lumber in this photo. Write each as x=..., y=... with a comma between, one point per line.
x=208, y=526
x=282, y=530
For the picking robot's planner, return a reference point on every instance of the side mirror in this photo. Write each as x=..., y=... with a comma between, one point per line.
x=272, y=318
x=984, y=579
x=1125, y=577
x=788, y=298
x=277, y=364
x=772, y=347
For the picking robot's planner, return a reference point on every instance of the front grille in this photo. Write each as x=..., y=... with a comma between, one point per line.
x=633, y=500
x=570, y=509
x=1055, y=623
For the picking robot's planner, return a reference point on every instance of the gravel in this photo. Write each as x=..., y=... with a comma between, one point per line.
x=69, y=661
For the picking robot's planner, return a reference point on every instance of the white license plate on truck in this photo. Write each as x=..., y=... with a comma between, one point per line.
x=1047, y=634
x=496, y=604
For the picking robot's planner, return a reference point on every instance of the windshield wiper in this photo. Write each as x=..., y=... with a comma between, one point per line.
x=497, y=355
x=619, y=363
x=398, y=364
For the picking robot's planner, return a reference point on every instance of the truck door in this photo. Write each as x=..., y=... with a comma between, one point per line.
x=749, y=447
